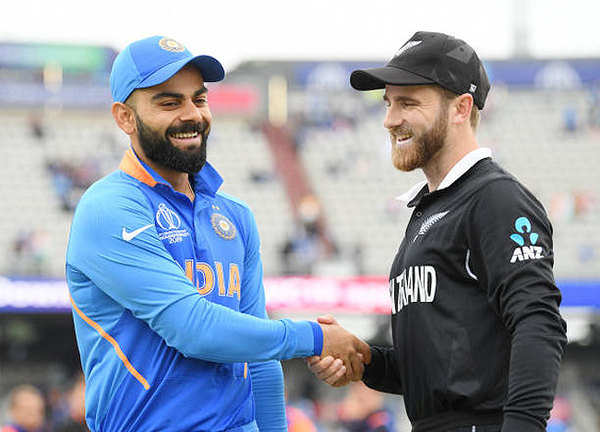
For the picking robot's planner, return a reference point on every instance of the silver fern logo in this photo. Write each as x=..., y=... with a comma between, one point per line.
x=429, y=222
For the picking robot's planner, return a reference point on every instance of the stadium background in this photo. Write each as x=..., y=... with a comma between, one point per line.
x=311, y=158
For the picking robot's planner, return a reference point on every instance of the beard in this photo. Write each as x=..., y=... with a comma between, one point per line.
x=159, y=148
x=424, y=146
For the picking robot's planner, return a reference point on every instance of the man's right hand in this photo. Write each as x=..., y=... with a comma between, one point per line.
x=338, y=343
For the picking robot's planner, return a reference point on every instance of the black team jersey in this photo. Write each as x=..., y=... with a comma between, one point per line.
x=477, y=333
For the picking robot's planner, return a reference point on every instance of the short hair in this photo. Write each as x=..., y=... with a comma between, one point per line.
x=475, y=116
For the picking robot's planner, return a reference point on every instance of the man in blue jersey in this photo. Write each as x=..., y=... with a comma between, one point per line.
x=165, y=274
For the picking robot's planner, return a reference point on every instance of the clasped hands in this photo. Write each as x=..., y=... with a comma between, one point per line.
x=344, y=355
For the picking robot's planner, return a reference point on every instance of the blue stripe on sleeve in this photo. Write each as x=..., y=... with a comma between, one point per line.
x=318, y=338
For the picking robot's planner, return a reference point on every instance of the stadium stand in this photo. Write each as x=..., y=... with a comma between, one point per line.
x=547, y=137
x=92, y=146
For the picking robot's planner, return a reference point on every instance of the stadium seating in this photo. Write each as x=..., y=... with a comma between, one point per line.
x=348, y=166
x=30, y=202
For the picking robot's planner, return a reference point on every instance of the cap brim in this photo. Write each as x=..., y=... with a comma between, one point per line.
x=377, y=78
x=209, y=67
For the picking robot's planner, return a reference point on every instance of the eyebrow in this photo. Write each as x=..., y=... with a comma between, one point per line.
x=163, y=95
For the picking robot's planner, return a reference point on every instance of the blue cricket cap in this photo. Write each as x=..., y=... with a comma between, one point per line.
x=152, y=61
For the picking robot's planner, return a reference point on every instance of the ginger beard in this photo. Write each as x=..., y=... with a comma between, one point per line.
x=161, y=150
x=411, y=149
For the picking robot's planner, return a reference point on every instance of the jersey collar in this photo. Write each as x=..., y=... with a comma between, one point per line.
x=206, y=181
x=461, y=167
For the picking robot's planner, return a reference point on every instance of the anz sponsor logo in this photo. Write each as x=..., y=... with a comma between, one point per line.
x=524, y=232
x=170, y=222
x=416, y=284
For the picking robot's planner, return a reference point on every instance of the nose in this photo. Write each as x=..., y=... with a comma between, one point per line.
x=393, y=117
x=192, y=112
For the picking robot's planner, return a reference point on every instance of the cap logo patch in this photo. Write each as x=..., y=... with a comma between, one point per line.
x=171, y=45
x=408, y=45
x=472, y=88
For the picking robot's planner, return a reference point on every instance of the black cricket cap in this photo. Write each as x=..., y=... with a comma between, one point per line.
x=430, y=58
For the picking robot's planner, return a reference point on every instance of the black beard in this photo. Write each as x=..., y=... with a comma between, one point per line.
x=160, y=149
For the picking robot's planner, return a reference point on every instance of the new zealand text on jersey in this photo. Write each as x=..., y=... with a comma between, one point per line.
x=414, y=284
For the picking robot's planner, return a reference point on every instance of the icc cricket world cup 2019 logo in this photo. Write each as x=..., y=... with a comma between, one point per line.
x=166, y=218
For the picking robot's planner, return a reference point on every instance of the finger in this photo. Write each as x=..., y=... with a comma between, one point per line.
x=349, y=367
x=337, y=377
x=322, y=365
x=357, y=368
x=312, y=360
x=341, y=382
x=326, y=319
x=331, y=370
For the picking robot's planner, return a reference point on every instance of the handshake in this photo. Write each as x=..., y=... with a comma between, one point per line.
x=343, y=357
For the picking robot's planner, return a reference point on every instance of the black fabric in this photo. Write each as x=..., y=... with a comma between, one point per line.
x=475, y=323
x=426, y=58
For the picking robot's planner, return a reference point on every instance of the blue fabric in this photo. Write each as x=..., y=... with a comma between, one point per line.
x=318, y=335
x=269, y=396
x=158, y=284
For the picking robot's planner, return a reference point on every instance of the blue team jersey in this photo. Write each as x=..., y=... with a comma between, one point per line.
x=156, y=284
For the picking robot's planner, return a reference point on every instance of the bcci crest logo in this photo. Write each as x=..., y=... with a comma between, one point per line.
x=522, y=253
x=166, y=218
x=223, y=226
x=172, y=45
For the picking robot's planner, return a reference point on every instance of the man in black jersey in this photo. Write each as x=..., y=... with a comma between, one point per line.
x=477, y=333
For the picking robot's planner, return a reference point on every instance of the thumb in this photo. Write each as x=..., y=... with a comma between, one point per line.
x=326, y=319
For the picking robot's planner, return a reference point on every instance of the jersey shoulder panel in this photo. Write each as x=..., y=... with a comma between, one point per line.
x=114, y=193
x=244, y=207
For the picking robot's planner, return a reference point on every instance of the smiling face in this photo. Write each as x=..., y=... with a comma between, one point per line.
x=172, y=121
x=417, y=120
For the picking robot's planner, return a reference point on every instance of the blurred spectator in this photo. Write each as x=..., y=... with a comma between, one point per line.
x=72, y=179
x=570, y=120
x=560, y=416
x=362, y=410
x=594, y=105
x=297, y=421
x=75, y=421
x=301, y=250
x=26, y=410
x=36, y=127
x=307, y=244
x=29, y=254
x=566, y=206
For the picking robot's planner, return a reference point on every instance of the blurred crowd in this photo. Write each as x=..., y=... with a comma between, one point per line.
x=30, y=410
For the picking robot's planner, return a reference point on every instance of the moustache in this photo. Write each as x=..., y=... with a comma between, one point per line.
x=188, y=127
x=401, y=130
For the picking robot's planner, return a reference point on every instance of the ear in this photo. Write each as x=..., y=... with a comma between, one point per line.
x=124, y=117
x=463, y=105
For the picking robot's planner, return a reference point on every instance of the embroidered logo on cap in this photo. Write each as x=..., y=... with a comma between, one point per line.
x=172, y=45
x=408, y=45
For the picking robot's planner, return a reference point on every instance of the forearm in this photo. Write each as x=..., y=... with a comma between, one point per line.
x=382, y=373
x=208, y=331
x=537, y=346
x=269, y=398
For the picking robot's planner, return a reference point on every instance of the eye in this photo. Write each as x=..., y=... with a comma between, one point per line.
x=387, y=103
x=201, y=101
x=169, y=104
